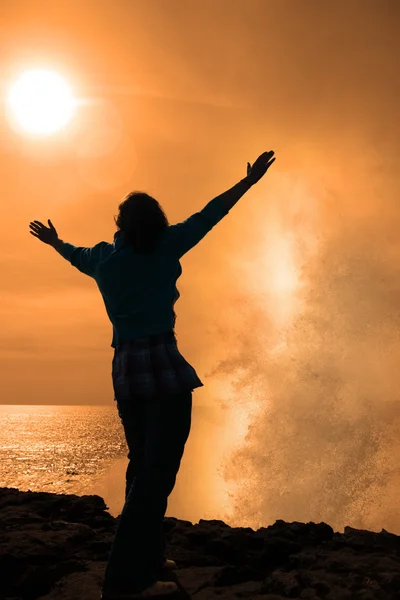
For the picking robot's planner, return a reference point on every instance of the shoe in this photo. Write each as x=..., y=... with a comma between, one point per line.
x=170, y=564
x=159, y=589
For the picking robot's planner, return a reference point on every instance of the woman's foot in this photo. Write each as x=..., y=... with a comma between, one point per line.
x=159, y=589
x=170, y=564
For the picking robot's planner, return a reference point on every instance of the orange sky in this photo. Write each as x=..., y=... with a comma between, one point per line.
x=290, y=306
x=177, y=98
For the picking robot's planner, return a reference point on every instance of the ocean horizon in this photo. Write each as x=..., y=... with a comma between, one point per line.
x=81, y=449
x=58, y=448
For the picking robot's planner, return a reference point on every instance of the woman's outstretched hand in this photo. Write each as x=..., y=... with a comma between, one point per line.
x=47, y=235
x=260, y=167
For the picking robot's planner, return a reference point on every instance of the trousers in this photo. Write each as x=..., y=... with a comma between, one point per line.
x=156, y=430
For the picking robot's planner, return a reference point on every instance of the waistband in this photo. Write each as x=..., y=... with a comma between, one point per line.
x=149, y=340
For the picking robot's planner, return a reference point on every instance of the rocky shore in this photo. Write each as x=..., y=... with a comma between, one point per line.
x=55, y=547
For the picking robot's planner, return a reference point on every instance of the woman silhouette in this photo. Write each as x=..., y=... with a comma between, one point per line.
x=153, y=383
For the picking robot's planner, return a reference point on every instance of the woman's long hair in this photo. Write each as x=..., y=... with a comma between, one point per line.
x=142, y=220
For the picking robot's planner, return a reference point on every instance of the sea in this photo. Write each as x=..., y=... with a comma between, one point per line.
x=82, y=450
x=62, y=449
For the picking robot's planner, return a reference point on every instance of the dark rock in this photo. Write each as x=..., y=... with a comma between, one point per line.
x=225, y=551
x=321, y=588
x=55, y=547
x=276, y=552
x=38, y=580
x=198, y=536
x=284, y=583
x=169, y=525
x=214, y=523
x=234, y=575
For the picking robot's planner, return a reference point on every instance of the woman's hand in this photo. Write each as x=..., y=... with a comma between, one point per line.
x=47, y=235
x=260, y=167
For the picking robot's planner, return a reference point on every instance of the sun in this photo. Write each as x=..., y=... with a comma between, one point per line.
x=41, y=101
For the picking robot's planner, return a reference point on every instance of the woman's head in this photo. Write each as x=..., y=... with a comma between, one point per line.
x=142, y=220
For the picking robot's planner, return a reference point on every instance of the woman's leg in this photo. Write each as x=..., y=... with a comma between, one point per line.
x=136, y=442
x=130, y=413
x=137, y=552
x=168, y=430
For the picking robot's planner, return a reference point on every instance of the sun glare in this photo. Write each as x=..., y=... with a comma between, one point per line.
x=41, y=101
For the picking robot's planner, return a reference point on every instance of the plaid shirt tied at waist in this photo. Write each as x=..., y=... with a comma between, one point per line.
x=151, y=366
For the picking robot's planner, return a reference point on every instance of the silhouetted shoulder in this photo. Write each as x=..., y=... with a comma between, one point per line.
x=183, y=236
x=86, y=259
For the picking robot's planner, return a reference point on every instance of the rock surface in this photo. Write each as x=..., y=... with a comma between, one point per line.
x=55, y=547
